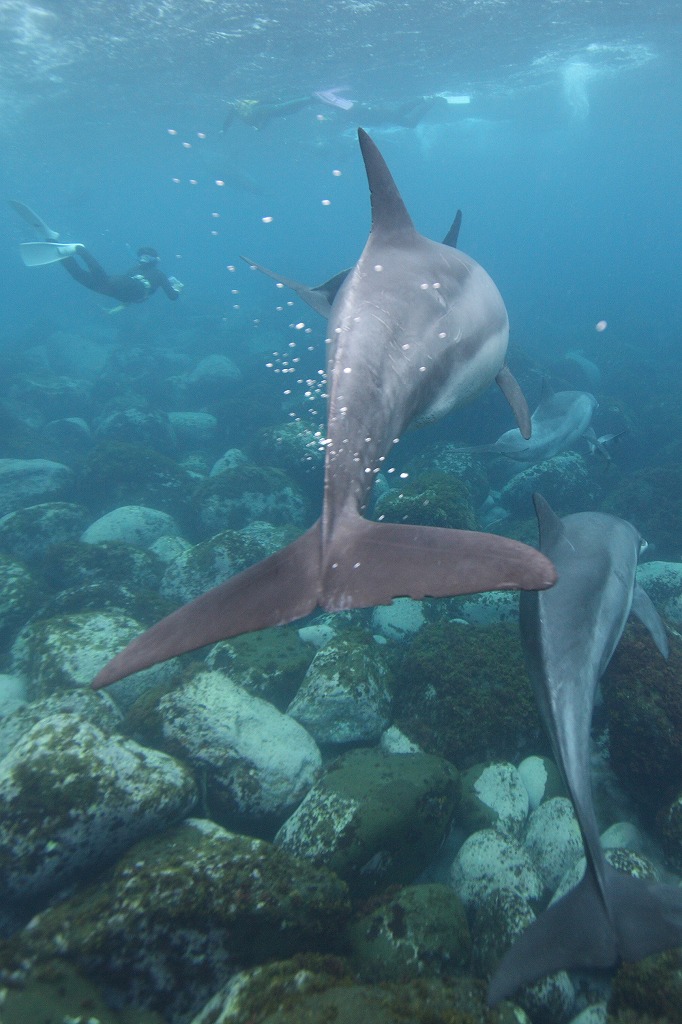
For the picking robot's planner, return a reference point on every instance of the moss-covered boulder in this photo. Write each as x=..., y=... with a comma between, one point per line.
x=295, y=447
x=73, y=797
x=116, y=473
x=20, y=595
x=643, y=703
x=648, y=992
x=270, y=664
x=318, y=990
x=97, y=708
x=181, y=912
x=650, y=500
x=111, y=563
x=430, y=499
x=237, y=496
x=345, y=695
x=31, y=481
x=420, y=931
x=375, y=819
x=68, y=651
x=29, y=532
x=211, y=562
x=143, y=427
x=463, y=693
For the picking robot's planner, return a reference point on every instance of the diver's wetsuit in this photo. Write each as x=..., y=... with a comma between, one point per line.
x=135, y=286
x=257, y=113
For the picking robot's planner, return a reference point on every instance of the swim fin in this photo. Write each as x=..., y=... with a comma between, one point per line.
x=39, y=254
x=39, y=226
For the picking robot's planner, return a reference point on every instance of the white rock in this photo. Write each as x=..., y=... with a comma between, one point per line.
x=393, y=741
x=193, y=428
x=232, y=457
x=402, y=618
x=263, y=761
x=534, y=777
x=318, y=634
x=553, y=840
x=488, y=861
x=623, y=834
x=595, y=1014
x=500, y=788
x=169, y=548
x=131, y=524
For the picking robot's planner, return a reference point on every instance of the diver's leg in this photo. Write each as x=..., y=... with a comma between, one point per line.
x=94, y=277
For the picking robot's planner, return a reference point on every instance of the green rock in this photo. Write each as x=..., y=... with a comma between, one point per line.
x=430, y=499
x=181, y=912
x=420, y=931
x=375, y=819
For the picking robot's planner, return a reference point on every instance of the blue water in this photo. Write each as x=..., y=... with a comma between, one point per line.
x=565, y=161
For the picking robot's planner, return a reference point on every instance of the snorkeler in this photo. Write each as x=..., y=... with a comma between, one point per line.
x=258, y=113
x=136, y=285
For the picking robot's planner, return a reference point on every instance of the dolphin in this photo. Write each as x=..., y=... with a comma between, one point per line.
x=416, y=329
x=321, y=297
x=569, y=635
x=559, y=420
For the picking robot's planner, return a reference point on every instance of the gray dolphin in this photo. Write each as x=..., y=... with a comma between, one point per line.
x=416, y=329
x=560, y=419
x=569, y=635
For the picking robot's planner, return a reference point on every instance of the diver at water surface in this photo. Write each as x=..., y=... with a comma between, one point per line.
x=135, y=286
x=258, y=113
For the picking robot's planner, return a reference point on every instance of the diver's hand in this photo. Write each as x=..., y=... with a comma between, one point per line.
x=176, y=285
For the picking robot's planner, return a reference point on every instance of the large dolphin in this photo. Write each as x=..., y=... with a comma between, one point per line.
x=569, y=635
x=416, y=329
x=559, y=420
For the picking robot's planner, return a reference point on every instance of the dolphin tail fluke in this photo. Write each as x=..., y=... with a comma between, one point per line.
x=273, y=592
x=577, y=932
x=372, y=563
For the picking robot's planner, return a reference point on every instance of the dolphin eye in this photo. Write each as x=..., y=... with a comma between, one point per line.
x=643, y=545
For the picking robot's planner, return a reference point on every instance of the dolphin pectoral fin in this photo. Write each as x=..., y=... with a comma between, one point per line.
x=273, y=592
x=377, y=562
x=643, y=608
x=510, y=388
x=572, y=933
x=319, y=298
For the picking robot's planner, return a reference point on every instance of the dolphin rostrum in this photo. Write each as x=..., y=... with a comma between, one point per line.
x=416, y=329
x=559, y=420
x=569, y=635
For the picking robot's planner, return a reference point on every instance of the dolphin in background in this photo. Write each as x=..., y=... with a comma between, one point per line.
x=569, y=635
x=416, y=329
x=560, y=419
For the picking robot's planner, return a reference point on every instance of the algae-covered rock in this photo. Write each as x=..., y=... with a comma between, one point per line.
x=246, y=492
x=650, y=991
x=73, y=797
x=501, y=916
x=30, y=481
x=270, y=664
x=489, y=860
x=181, y=912
x=553, y=840
x=97, y=708
x=56, y=993
x=318, y=990
x=419, y=931
x=257, y=763
x=68, y=651
x=463, y=693
x=211, y=562
x=375, y=819
x=29, y=532
x=430, y=499
x=149, y=429
x=19, y=597
x=112, y=563
x=131, y=524
x=345, y=695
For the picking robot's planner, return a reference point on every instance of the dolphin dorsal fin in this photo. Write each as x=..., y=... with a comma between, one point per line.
x=389, y=213
x=550, y=526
